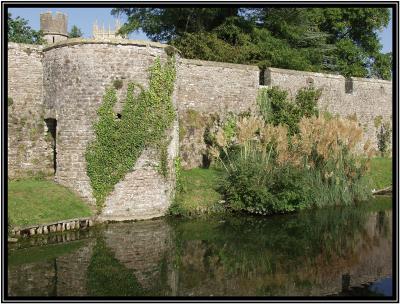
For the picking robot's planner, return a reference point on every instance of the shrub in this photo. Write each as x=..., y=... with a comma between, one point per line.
x=384, y=135
x=276, y=108
x=254, y=186
x=271, y=172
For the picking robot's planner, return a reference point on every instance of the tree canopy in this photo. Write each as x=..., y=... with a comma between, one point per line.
x=19, y=31
x=75, y=32
x=333, y=40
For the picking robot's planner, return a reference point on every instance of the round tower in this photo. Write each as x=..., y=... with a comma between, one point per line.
x=54, y=28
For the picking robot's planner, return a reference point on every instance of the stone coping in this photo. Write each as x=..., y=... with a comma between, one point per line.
x=304, y=73
x=15, y=45
x=371, y=80
x=116, y=41
x=219, y=64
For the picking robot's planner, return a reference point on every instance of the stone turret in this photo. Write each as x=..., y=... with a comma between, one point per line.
x=54, y=28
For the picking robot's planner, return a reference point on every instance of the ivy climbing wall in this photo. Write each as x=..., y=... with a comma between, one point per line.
x=29, y=145
x=76, y=76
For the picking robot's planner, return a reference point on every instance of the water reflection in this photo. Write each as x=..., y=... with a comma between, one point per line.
x=323, y=252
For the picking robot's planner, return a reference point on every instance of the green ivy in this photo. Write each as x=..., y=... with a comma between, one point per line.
x=118, y=143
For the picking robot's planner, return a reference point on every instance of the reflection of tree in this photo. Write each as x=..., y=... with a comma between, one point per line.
x=382, y=223
x=302, y=250
x=107, y=277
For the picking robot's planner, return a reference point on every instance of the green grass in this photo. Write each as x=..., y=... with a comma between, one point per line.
x=33, y=202
x=42, y=253
x=381, y=172
x=199, y=194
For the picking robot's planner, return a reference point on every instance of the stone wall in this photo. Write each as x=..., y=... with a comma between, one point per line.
x=29, y=151
x=207, y=87
x=76, y=74
x=62, y=86
x=363, y=98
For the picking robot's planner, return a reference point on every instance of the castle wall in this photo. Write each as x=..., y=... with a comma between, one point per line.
x=204, y=88
x=76, y=76
x=66, y=81
x=369, y=99
x=364, y=98
x=28, y=150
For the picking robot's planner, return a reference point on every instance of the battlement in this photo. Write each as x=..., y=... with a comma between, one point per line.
x=57, y=24
x=54, y=28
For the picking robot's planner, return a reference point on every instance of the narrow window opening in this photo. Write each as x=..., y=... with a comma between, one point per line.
x=53, y=39
x=51, y=124
x=261, y=77
x=348, y=86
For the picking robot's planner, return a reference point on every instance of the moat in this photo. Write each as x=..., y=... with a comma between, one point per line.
x=327, y=252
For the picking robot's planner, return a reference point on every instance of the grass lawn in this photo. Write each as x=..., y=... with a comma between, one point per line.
x=199, y=194
x=40, y=201
x=381, y=172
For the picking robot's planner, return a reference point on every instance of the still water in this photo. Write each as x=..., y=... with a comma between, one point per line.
x=332, y=251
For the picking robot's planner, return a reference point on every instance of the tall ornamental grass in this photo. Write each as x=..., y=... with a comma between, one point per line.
x=269, y=171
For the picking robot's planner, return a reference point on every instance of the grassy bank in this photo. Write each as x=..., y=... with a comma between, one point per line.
x=199, y=193
x=33, y=202
x=381, y=172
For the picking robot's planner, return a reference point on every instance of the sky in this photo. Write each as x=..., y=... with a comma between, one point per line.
x=85, y=17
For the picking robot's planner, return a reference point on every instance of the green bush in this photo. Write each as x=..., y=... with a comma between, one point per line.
x=256, y=188
x=384, y=135
x=144, y=120
x=276, y=108
x=271, y=171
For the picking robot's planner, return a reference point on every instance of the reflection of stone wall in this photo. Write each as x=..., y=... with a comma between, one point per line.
x=72, y=271
x=140, y=247
x=62, y=276
x=36, y=279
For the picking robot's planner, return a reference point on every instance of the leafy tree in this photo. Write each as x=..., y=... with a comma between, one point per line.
x=75, y=32
x=335, y=40
x=19, y=31
x=382, y=66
